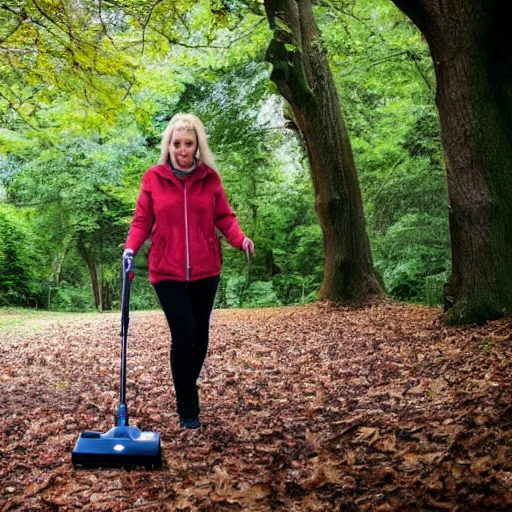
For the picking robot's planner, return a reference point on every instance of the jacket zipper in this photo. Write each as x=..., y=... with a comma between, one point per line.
x=187, y=270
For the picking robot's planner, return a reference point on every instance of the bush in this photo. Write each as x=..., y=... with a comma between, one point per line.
x=142, y=296
x=20, y=260
x=433, y=289
x=261, y=294
x=414, y=259
x=66, y=297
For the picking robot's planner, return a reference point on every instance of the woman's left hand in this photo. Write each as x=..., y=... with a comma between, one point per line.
x=248, y=244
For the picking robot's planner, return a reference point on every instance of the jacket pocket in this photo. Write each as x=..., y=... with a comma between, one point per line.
x=155, y=253
x=215, y=248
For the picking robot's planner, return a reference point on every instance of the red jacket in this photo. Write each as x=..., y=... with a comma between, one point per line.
x=181, y=217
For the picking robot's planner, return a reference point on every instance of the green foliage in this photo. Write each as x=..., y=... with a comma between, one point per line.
x=405, y=255
x=54, y=49
x=143, y=296
x=65, y=297
x=87, y=89
x=80, y=202
x=262, y=171
x=385, y=79
x=299, y=244
x=20, y=261
x=261, y=294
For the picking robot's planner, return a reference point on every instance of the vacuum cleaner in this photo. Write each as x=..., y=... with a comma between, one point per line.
x=123, y=445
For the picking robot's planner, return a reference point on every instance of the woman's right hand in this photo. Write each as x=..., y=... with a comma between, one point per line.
x=128, y=253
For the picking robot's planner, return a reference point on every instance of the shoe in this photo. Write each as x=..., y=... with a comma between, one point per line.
x=189, y=422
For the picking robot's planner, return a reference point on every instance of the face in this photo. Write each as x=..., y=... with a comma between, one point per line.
x=183, y=148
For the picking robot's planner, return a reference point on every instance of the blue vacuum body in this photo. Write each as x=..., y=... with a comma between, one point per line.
x=123, y=445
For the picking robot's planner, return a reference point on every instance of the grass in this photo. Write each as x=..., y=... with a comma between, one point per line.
x=33, y=318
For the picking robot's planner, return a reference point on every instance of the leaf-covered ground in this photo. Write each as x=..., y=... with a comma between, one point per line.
x=303, y=409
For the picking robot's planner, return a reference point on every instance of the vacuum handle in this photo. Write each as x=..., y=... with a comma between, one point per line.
x=125, y=320
x=125, y=296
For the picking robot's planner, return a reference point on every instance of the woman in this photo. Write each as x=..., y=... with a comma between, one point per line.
x=181, y=203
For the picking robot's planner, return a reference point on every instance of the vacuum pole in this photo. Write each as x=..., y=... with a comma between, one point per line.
x=122, y=411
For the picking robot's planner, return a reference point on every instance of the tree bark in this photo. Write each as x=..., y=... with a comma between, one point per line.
x=302, y=74
x=471, y=46
x=88, y=257
x=106, y=295
x=58, y=261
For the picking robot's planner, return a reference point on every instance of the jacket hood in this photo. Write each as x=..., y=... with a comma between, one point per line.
x=165, y=171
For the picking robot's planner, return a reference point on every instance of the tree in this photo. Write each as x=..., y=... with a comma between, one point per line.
x=78, y=198
x=384, y=76
x=20, y=260
x=471, y=47
x=49, y=50
x=302, y=75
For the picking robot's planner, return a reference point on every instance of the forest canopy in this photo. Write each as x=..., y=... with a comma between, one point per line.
x=88, y=87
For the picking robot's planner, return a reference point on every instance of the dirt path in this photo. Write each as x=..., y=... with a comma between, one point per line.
x=303, y=409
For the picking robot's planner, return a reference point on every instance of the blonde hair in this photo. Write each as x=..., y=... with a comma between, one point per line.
x=189, y=123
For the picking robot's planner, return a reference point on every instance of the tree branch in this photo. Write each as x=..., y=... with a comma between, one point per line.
x=425, y=79
x=243, y=36
x=56, y=36
x=17, y=110
x=105, y=30
x=340, y=12
x=21, y=19
x=424, y=14
x=387, y=177
x=387, y=57
x=129, y=88
x=35, y=203
x=173, y=41
x=47, y=16
x=9, y=8
x=184, y=23
x=146, y=23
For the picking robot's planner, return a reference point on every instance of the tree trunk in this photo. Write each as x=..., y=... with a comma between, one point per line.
x=88, y=257
x=58, y=261
x=106, y=295
x=471, y=47
x=302, y=74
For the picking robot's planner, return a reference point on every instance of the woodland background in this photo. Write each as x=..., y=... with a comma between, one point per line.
x=348, y=404
x=86, y=89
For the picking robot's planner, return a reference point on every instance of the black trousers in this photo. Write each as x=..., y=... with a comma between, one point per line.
x=187, y=307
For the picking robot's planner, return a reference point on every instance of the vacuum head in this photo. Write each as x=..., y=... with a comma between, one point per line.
x=121, y=446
